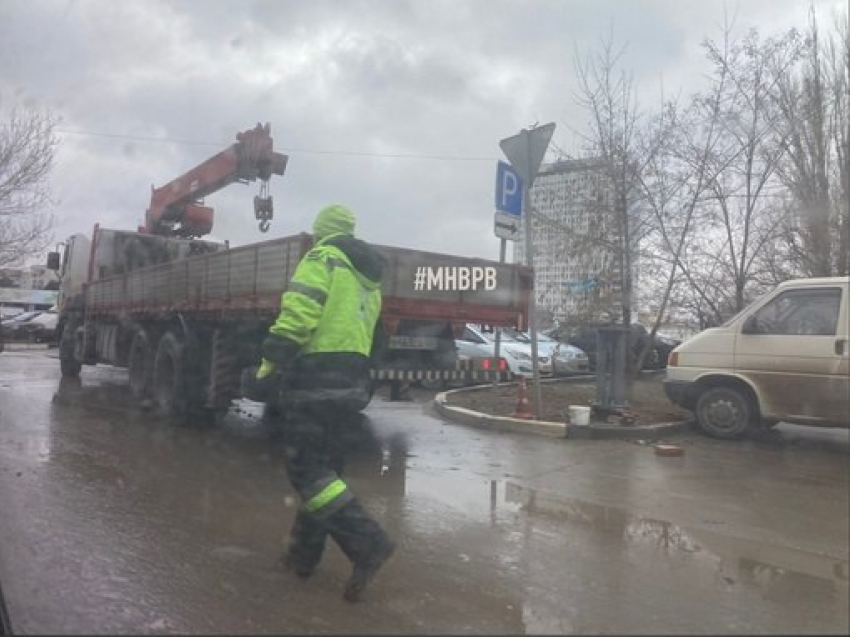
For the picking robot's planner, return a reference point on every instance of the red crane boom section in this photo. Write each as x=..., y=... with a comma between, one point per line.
x=175, y=208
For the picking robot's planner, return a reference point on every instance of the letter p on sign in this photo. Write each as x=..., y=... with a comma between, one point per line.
x=508, y=190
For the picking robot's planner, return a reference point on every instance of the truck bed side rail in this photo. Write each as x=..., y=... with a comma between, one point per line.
x=417, y=285
x=246, y=278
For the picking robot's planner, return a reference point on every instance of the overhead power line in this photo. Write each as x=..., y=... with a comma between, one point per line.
x=305, y=151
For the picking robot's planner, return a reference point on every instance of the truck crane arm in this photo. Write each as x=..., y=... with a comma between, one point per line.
x=176, y=209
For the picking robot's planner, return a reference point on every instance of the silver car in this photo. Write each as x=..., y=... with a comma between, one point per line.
x=566, y=359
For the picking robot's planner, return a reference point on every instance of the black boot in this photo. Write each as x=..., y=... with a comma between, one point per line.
x=291, y=565
x=362, y=573
x=306, y=545
x=363, y=541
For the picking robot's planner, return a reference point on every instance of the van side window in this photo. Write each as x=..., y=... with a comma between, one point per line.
x=801, y=312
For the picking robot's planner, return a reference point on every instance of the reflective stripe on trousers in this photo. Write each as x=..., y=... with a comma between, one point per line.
x=325, y=496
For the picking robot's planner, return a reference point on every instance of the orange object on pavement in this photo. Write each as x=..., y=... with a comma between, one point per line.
x=668, y=450
x=523, y=406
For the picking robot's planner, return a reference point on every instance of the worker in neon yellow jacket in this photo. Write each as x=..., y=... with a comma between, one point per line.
x=321, y=343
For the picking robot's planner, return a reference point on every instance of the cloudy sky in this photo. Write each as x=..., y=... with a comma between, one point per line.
x=392, y=107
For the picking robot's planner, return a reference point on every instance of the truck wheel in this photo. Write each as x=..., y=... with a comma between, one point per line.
x=724, y=412
x=140, y=363
x=68, y=363
x=168, y=378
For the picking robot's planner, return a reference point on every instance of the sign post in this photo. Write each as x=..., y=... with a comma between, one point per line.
x=507, y=220
x=526, y=151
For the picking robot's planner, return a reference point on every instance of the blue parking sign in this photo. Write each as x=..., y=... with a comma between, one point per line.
x=508, y=190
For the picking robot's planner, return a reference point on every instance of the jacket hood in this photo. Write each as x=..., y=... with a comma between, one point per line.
x=366, y=260
x=332, y=220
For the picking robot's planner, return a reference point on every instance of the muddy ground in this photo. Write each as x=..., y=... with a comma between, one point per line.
x=648, y=403
x=115, y=521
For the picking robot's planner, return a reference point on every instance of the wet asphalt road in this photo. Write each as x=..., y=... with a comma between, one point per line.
x=112, y=520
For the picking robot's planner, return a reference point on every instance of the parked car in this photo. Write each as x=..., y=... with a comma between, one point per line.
x=8, y=311
x=20, y=316
x=664, y=345
x=585, y=339
x=40, y=329
x=476, y=342
x=566, y=359
x=9, y=327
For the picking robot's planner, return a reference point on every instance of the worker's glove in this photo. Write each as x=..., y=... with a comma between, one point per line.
x=259, y=384
x=265, y=382
x=278, y=352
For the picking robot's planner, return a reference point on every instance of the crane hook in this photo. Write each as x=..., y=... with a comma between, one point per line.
x=264, y=208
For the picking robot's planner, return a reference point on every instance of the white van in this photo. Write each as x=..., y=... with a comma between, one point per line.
x=786, y=357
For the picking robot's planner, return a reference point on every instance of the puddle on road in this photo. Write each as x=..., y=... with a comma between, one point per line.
x=549, y=544
x=382, y=464
x=781, y=573
x=217, y=483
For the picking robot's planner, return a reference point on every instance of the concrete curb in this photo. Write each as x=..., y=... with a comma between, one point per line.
x=500, y=423
x=597, y=431
x=626, y=432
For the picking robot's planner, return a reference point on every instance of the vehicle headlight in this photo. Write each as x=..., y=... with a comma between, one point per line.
x=519, y=354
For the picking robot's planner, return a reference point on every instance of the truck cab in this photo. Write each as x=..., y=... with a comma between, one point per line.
x=116, y=252
x=72, y=267
x=786, y=357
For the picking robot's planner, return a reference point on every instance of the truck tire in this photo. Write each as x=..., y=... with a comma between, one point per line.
x=140, y=363
x=68, y=364
x=725, y=412
x=168, y=380
x=224, y=371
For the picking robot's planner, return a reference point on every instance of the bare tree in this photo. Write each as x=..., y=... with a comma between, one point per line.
x=607, y=94
x=600, y=245
x=815, y=114
x=632, y=215
x=27, y=150
x=841, y=95
x=742, y=221
x=673, y=186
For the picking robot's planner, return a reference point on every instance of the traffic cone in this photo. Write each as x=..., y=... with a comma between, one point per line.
x=523, y=406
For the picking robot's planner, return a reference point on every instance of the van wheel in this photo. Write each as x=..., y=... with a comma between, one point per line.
x=724, y=412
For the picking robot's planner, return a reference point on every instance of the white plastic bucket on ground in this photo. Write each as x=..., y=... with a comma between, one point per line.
x=579, y=415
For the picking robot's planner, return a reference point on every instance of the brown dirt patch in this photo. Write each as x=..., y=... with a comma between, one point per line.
x=648, y=401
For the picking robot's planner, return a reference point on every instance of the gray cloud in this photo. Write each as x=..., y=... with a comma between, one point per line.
x=346, y=86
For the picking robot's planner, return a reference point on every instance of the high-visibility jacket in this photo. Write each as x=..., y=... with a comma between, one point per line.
x=327, y=320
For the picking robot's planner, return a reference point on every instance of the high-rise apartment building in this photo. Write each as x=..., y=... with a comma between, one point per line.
x=573, y=231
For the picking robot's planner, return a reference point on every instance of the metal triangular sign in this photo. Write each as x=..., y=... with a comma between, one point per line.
x=527, y=150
